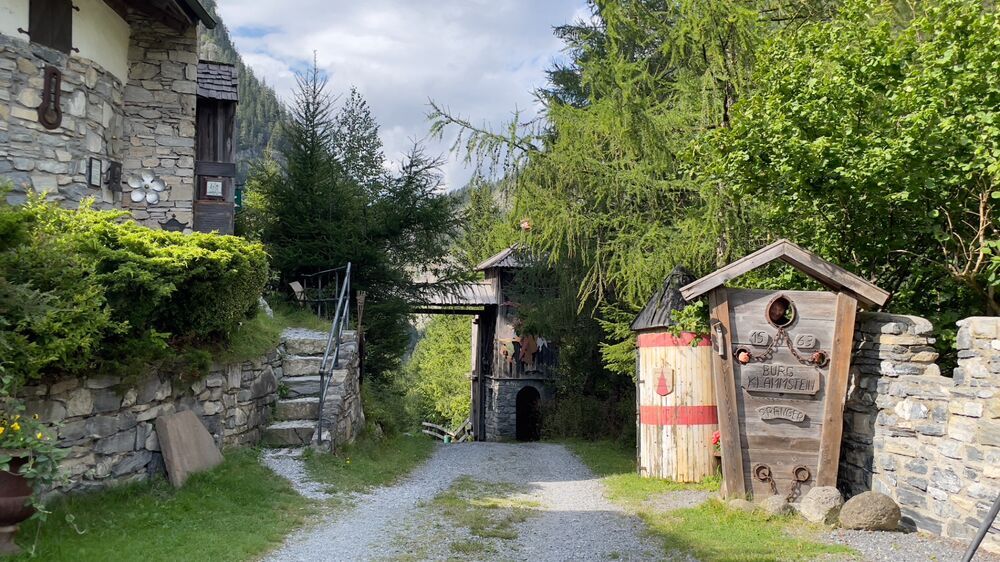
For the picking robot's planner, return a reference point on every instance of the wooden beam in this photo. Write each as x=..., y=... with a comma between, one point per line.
x=841, y=279
x=733, y=485
x=729, y=272
x=836, y=390
x=830, y=275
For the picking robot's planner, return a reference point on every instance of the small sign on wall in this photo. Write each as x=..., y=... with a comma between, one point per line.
x=95, y=172
x=213, y=188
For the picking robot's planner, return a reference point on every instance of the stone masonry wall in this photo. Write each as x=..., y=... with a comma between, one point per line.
x=930, y=442
x=55, y=162
x=108, y=429
x=501, y=405
x=160, y=105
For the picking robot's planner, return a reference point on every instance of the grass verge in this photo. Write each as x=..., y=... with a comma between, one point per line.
x=369, y=462
x=710, y=531
x=237, y=511
x=261, y=334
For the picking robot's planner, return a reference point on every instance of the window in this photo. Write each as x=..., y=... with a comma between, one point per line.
x=50, y=23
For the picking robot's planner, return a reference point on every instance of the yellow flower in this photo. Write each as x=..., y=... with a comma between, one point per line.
x=15, y=426
x=17, y=417
x=39, y=435
x=2, y=429
x=35, y=417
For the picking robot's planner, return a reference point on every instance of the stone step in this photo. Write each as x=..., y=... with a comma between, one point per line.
x=293, y=433
x=300, y=341
x=300, y=387
x=297, y=409
x=299, y=365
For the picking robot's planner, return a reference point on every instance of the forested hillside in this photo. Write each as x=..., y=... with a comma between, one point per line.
x=259, y=112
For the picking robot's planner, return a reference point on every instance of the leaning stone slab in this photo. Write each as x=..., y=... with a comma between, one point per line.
x=776, y=506
x=187, y=446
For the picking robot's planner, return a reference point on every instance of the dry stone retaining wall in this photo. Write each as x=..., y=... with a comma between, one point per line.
x=930, y=442
x=108, y=429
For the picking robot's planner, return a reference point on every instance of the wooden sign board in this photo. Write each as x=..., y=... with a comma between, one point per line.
x=781, y=364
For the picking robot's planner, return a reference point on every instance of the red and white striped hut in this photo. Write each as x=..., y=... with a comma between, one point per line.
x=675, y=391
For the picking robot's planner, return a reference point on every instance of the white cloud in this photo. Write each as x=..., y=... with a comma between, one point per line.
x=481, y=58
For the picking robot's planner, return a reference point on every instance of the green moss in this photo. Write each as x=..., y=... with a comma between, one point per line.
x=235, y=512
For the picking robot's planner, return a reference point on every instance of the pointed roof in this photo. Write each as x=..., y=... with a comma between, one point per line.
x=656, y=313
x=507, y=259
x=832, y=276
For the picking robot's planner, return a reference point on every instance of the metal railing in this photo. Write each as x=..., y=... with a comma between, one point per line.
x=341, y=319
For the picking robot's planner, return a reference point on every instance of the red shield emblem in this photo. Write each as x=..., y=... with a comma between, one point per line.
x=663, y=387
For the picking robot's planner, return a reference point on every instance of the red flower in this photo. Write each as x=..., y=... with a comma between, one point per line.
x=716, y=437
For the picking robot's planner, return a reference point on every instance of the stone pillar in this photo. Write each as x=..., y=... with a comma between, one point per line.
x=160, y=104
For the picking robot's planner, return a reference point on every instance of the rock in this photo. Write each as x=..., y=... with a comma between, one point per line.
x=776, y=505
x=870, y=511
x=187, y=446
x=264, y=307
x=741, y=504
x=822, y=505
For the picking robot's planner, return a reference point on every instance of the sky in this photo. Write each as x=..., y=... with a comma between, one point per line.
x=479, y=58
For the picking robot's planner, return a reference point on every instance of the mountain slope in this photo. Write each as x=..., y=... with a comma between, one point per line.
x=259, y=113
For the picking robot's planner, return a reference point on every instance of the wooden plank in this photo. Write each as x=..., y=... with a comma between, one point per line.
x=207, y=168
x=726, y=273
x=733, y=484
x=437, y=427
x=837, y=277
x=836, y=391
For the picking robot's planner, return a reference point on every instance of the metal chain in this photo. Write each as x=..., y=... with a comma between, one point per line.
x=781, y=338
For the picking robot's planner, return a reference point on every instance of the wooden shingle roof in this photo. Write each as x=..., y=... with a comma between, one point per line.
x=656, y=313
x=507, y=259
x=217, y=81
x=832, y=276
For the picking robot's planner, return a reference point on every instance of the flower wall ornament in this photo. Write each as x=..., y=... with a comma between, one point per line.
x=146, y=187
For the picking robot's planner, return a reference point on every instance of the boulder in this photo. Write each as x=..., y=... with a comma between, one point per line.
x=870, y=511
x=741, y=505
x=776, y=505
x=822, y=505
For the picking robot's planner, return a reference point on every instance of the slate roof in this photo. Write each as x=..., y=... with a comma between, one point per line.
x=656, y=313
x=217, y=81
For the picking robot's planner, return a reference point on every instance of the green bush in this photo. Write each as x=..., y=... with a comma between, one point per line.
x=589, y=417
x=86, y=290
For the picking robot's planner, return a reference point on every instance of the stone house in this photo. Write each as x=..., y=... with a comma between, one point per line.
x=100, y=99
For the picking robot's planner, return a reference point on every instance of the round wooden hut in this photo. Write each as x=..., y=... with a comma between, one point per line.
x=675, y=391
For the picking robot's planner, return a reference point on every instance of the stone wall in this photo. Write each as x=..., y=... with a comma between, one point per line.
x=930, y=442
x=501, y=405
x=108, y=427
x=55, y=162
x=160, y=104
x=147, y=124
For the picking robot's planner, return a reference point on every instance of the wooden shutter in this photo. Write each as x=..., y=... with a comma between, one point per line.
x=50, y=23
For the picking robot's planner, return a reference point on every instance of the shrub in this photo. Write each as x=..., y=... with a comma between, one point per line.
x=86, y=289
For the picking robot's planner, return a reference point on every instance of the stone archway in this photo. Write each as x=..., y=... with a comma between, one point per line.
x=528, y=414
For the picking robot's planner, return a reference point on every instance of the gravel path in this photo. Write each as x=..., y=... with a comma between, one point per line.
x=573, y=522
x=288, y=464
x=881, y=546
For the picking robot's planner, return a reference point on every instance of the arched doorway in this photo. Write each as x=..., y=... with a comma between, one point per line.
x=529, y=419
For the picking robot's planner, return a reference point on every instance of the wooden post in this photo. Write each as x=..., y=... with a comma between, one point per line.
x=836, y=390
x=733, y=484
